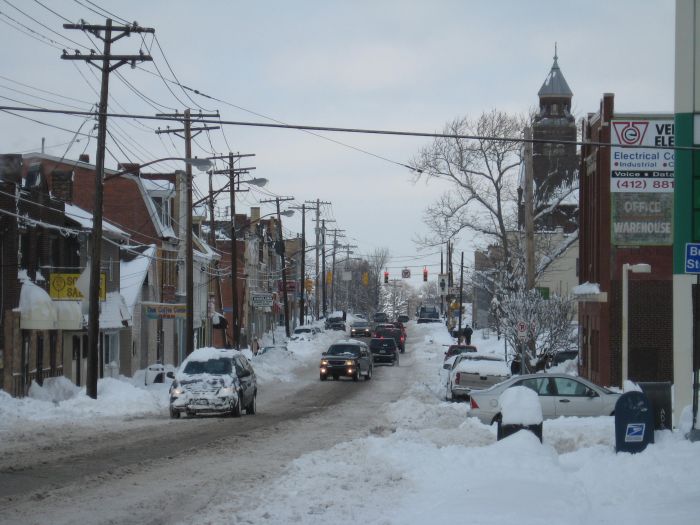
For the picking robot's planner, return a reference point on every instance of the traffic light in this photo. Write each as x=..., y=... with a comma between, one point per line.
x=425, y=274
x=386, y=277
x=365, y=278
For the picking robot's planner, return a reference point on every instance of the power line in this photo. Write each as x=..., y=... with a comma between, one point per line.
x=367, y=131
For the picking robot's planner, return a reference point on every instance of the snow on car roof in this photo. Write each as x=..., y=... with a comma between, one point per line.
x=207, y=353
x=483, y=364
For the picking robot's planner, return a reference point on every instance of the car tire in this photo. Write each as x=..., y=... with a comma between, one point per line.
x=236, y=410
x=356, y=376
x=369, y=374
x=252, y=408
x=174, y=414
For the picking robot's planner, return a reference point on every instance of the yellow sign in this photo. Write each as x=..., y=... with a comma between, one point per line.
x=329, y=277
x=62, y=287
x=309, y=285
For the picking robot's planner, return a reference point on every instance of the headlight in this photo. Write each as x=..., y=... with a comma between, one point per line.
x=177, y=391
x=324, y=362
x=349, y=362
x=226, y=390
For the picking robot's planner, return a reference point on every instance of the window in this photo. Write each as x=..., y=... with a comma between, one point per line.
x=570, y=387
x=538, y=384
x=53, y=338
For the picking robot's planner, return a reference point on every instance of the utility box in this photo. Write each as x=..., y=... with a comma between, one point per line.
x=659, y=394
x=634, y=422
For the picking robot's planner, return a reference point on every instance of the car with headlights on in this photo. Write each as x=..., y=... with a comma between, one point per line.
x=214, y=381
x=559, y=395
x=473, y=371
x=347, y=358
x=384, y=350
x=360, y=329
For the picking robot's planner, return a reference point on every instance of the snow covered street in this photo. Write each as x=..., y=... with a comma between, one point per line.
x=386, y=451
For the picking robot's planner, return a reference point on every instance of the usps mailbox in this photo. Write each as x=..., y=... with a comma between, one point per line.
x=634, y=422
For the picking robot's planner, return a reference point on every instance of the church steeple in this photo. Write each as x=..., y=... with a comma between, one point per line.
x=555, y=84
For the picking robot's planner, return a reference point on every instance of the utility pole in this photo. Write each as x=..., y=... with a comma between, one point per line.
x=302, y=280
x=461, y=284
x=231, y=172
x=347, y=283
x=528, y=205
x=189, y=250
x=106, y=67
x=317, y=206
x=335, y=246
x=284, y=262
x=323, y=270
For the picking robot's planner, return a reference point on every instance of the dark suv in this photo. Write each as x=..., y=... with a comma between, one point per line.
x=384, y=351
x=380, y=317
x=395, y=333
x=349, y=358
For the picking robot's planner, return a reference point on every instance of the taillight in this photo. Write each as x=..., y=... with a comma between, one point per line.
x=457, y=377
x=472, y=403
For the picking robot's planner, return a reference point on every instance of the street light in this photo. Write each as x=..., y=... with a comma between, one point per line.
x=634, y=268
x=95, y=269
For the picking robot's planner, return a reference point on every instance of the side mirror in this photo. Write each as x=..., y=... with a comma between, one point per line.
x=170, y=375
x=323, y=354
x=447, y=366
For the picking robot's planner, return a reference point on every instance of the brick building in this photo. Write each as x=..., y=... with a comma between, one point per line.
x=618, y=226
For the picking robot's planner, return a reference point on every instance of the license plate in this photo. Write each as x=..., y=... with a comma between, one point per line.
x=201, y=402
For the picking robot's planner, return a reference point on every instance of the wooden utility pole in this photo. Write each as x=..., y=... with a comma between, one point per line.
x=232, y=172
x=277, y=200
x=189, y=249
x=316, y=205
x=103, y=63
x=335, y=247
x=528, y=208
x=323, y=269
x=461, y=286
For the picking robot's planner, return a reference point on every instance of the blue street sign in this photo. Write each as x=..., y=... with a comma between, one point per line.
x=692, y=257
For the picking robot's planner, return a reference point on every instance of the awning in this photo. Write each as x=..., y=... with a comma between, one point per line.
x=114, y=314
x=70, y=315
x=37, y=310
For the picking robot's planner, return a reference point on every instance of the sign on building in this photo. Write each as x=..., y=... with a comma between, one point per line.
x=165, y=310
x=261, y=299
x=62, y=287
x=642, y=181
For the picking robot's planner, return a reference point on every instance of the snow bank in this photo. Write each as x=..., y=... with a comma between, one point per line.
x=520, y=406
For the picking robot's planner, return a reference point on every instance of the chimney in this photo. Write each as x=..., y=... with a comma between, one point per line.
x=84, y=157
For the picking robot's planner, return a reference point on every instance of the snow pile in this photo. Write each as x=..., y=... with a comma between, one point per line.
x=276, y=365
x=520, y=406
x=58, y=402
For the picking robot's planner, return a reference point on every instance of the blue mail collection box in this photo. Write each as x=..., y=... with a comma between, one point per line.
x=634, y=423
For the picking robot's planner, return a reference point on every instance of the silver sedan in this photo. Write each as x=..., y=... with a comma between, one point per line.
x=559, y=395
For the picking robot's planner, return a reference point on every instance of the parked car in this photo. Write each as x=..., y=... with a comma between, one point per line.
x=360, y=329
x=472, y=371
x=459, y=349
x=394, y=333
x=403, y=318
x=347, y=358
x=272, y=348
x=559, y=395
x=214, y=381
x=562, y=356
x=429, y=317
x=331, y=320
x=384, y=350
x=303, y=333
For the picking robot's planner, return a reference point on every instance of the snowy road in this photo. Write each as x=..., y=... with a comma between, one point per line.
x=162, y=471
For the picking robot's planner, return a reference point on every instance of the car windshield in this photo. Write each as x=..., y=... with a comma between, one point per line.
x=343, y=350
x=218, y=366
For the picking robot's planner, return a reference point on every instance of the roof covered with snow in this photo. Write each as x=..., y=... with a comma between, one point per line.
x=84, y=218
x=132, y=275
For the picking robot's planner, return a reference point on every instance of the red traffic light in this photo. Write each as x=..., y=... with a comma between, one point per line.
x=425, y=274
x=386, y=277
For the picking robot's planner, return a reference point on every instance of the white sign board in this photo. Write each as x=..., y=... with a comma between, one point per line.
x=637, y=168
x=261, y=300
x=521, y=327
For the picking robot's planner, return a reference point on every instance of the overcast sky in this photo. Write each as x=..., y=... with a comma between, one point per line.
x=399, y=65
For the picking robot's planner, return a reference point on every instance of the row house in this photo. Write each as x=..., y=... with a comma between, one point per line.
x=44, y=246
x=147, y=264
